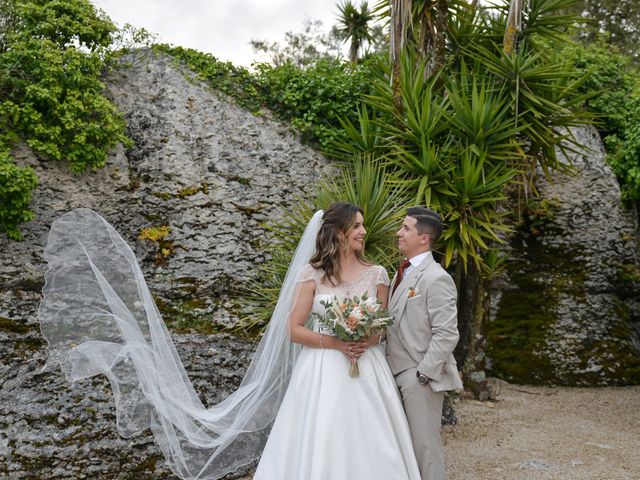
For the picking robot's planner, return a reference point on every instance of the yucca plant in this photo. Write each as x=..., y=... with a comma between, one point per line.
x=355, y=26
x=363, y=136
x=455, y=150
x=480, y=117
x=459, y=141
x=469, y=201
x=365, y=183
x=543, y=104
x=462, y=140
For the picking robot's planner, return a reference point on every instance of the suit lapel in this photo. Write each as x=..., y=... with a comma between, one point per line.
x=393, y=281
x=398, y=300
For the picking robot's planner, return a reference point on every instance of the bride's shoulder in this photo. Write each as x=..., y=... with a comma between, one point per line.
x=382, y=277
x=308, y=272
x=377, y=268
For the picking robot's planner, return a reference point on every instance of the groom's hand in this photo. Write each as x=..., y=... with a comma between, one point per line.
x=373, y=340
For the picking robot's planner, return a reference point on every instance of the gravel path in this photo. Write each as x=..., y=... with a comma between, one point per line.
x=557, y=433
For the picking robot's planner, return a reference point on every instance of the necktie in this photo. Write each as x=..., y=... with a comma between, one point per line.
x=404, y=264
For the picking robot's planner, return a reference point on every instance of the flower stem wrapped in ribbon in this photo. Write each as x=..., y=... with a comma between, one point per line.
x=354, y=319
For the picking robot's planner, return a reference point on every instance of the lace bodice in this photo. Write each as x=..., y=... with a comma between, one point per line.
x=367, y=282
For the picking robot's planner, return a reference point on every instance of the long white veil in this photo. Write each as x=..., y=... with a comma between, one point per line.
x=98, y=316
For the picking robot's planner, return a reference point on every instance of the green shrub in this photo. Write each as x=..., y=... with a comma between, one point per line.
x=52, y=54
x=624, y=152
x=312, y=98
x=613, y=84
x=16, y=186
x=316, y=97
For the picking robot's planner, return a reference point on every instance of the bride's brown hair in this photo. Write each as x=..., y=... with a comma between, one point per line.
x=337, y=222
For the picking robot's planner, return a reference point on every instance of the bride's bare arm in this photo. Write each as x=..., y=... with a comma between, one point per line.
x=301, y=334
x=382, y=293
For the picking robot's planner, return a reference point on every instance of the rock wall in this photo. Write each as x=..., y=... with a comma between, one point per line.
x=204, y=173
x=202, y=177
x=567, y=310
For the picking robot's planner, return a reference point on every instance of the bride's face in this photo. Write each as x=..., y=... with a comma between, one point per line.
x=355, y=238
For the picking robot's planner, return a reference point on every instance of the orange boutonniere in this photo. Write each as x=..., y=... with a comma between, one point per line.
x=412, y=292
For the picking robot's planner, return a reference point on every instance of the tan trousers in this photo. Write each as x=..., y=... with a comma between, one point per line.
x=423, y=407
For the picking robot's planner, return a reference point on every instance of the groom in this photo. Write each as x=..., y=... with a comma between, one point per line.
x=420, y=343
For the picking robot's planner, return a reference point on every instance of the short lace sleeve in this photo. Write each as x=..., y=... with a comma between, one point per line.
x=307, y=273
x=382, y=276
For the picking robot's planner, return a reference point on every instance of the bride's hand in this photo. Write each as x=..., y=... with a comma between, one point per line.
x=352, y=350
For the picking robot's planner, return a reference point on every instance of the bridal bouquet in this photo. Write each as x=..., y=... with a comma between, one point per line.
x=352, y=319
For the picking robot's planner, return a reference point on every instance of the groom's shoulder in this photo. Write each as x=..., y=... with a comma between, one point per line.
x=442, y=280
x=438, y=271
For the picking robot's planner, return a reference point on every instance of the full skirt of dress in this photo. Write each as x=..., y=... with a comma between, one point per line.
x=331, y=426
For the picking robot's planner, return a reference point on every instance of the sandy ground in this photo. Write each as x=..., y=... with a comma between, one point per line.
x=546, y=433
x=532, y=433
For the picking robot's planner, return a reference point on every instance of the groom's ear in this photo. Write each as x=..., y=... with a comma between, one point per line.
x=425, y=238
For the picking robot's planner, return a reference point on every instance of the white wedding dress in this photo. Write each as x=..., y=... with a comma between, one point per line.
x=331, y=426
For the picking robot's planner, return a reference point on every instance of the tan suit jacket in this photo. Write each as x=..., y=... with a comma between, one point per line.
x=425, y=330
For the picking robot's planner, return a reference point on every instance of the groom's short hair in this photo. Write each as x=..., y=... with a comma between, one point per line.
x=427, y=221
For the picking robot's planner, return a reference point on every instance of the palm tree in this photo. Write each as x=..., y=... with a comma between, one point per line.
x=354, y=26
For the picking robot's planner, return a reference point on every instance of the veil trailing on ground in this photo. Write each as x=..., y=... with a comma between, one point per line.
x=98, y=316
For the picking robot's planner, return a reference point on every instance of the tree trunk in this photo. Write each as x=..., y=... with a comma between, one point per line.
x=514, y=25
x=427, y=33
x=441, y=24
x=474, y=299
x=433, y=34
x=395, y=68
x=353, y=51
x=399, y=17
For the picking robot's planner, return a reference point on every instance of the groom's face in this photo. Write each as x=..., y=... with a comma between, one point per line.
x=410, y=241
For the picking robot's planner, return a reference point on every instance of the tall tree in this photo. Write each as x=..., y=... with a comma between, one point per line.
x=462, y=144
x=302, y=48
x=617, y=20
x=354, y=26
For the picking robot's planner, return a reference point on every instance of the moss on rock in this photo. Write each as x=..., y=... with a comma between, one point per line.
x=516, y=337
x=552, y=327
x=11, y=326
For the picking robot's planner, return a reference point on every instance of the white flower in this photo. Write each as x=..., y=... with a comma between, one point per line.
x=371, y=305
x=356, y=313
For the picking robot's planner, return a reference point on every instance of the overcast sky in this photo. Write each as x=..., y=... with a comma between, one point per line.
x=221, y=27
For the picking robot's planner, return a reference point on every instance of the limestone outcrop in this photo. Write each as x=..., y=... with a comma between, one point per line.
x=567, y=309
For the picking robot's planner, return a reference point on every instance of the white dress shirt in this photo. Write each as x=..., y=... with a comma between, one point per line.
x=415, y=261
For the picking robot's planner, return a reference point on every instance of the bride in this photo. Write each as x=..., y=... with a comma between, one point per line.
x=99, y=317
x=330, y=425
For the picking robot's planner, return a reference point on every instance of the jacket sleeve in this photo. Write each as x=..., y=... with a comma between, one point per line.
x=443, y=317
